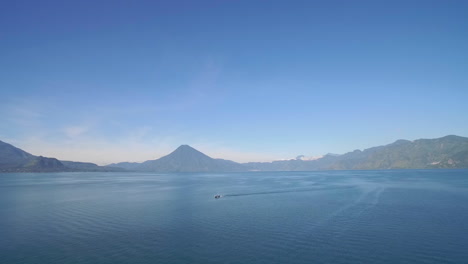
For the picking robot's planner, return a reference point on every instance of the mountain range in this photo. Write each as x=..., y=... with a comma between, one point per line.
x=445, y=152
x=13, y=159
x=184, y=159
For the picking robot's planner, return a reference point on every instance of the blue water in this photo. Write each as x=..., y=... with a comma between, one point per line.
x=408, y=216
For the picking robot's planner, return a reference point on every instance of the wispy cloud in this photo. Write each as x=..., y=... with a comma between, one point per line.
x=75, y=131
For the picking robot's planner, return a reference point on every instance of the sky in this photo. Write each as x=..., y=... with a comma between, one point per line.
x=112, y=81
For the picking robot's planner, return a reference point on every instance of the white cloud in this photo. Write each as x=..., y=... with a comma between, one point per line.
x=75, y=131
x=302, y=157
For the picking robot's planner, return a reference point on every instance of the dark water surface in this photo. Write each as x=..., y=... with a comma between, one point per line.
x=407, y=216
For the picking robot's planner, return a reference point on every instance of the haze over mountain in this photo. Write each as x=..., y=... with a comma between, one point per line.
x=13, y=159
x=446, y=152
x=184, y=159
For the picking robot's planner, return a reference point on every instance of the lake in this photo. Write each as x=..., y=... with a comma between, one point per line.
x=395, y=216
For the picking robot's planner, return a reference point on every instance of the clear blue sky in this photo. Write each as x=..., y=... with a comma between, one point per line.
x=109, y=81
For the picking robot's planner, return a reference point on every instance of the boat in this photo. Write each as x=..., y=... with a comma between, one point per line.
x=217, y=196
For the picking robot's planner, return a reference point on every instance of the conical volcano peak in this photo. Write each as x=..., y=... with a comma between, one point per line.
x=184, y=154
x=188, y=159
x=185, y=149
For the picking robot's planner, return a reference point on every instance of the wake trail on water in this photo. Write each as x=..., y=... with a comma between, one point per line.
x=284, y=191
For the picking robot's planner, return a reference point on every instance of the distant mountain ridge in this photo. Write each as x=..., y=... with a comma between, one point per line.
x=445, y=152
x=13, y=159
x=185, y=159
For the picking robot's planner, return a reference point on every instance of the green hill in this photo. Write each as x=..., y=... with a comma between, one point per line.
x=445, y=152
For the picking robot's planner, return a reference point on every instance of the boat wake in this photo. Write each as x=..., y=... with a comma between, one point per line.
x=284, y=191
